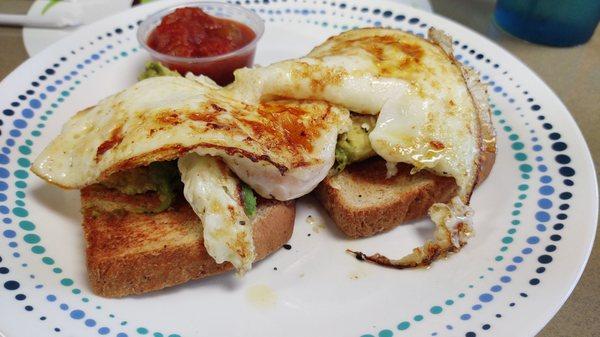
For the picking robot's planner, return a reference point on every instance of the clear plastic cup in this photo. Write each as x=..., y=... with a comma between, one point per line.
x=220, y=68
x=561, y=23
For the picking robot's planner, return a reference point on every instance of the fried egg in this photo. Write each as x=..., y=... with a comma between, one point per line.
x=215, y=196
x=282, y=149
x=426, y=114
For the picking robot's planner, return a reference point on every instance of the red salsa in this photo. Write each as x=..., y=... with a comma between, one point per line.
x=190, y=32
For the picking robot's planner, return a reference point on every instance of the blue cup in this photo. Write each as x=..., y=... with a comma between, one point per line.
x=561, y=23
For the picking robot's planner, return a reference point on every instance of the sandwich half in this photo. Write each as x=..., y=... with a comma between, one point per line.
x=180, y=181
x=362, y=199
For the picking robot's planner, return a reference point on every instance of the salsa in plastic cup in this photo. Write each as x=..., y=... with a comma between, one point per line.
x=205, y=38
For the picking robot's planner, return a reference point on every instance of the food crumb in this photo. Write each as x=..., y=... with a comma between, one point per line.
x=360, y=256
x=357, y=274
x=316, y=225
x=261, y=296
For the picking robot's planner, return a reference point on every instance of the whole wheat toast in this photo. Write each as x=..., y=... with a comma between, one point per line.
x=363, y=202
x=133, y=253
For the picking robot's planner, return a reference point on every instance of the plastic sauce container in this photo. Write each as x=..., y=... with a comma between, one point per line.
x=219, y=67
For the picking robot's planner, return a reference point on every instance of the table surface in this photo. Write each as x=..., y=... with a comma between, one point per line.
x=573, y=73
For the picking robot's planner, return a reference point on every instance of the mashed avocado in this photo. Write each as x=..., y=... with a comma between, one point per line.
x=159, y=177
x=155, y=69
x=354, y=145
x=249, y=200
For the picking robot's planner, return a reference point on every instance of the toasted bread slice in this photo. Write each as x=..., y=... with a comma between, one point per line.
x=133, y=253
x=362, y=202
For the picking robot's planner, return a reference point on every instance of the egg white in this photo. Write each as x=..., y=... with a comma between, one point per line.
x=213, y=192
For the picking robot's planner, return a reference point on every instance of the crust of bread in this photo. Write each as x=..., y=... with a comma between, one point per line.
x=362, y=202
x=131, y=253
x=488, y=158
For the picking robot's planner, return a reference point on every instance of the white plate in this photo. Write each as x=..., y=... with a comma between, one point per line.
x=535, y=215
